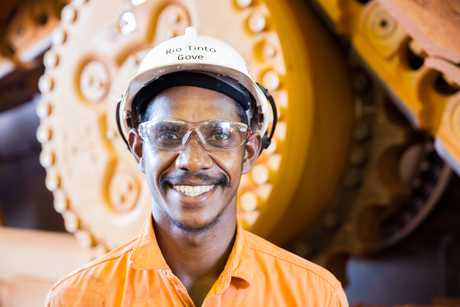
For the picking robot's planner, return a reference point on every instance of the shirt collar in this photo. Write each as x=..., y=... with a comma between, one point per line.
x=146, y=255
x=238, y=262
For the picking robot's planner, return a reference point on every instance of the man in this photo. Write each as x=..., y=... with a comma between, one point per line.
x=195, y=121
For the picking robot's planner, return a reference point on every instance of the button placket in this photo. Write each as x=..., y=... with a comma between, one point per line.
x=180, y=288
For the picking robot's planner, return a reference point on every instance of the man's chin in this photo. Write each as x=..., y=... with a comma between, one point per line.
x=194, y=227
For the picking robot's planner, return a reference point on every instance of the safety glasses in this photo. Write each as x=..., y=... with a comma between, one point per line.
x=173, y=135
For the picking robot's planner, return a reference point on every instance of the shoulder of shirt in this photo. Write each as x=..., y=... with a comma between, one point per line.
x=260, y=245
x=113, y=254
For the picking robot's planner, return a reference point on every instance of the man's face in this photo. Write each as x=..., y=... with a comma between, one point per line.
x=172, y=175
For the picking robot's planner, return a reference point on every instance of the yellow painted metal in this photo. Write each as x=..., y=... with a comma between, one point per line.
x=317, y=59
x=342, y=14
x=380, y=36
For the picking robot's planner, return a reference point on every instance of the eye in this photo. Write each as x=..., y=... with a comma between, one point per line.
x=168, y=135
x=221, y=136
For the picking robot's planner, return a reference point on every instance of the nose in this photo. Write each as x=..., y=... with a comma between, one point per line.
x=193, y=157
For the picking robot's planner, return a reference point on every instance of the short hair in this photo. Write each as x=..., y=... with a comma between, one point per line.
x=145, y=112
x=219, y=83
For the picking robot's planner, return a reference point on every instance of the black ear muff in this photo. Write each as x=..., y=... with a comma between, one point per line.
x=117, y=117
x=267, y=138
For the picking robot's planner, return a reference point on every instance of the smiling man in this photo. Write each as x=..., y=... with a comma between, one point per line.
x=196, y=122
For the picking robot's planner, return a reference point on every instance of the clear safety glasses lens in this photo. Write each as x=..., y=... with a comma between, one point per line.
x=173, y=135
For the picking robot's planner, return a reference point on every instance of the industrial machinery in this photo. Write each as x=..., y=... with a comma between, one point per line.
x=367, y=92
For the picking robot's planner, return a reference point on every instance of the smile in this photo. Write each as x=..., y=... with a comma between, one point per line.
x=193, y=190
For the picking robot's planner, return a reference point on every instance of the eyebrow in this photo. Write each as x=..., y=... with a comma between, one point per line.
x=152, y=116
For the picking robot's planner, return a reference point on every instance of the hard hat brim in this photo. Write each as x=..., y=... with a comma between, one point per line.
x=138, y=82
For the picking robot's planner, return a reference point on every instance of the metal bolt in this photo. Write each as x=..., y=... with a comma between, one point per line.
x=169, y=34
x=84, y=238
x=78, y=3
x=51, y=59
x=282, y=99
x=243, y=3
x=280, y=132
x=173, y=15
x=99, y=250
x=53, y=180
x=250, y=217
x=257, y=22
x=69, y=14
x=43, y=134
x=271, y=80
x=274, y=162
x=61, y=203
x=111, y=134
x=269, y=50
x=358, y=157
x=361, y=133
x=71, y=221
x=263, y=191
x=45, y=84
x=137, y=2
x=94, y=81
x=383, y=25
x=127, y=22
x=43, y=109
x=47, y=158
x=248, y=201
x=59, y=37
x=260, y=174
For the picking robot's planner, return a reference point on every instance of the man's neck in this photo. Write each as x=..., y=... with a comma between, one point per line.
x=197, y=257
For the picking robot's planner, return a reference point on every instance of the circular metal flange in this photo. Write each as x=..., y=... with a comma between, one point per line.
x=97, y=185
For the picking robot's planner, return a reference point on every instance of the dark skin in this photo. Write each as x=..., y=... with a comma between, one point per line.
x=195, y=234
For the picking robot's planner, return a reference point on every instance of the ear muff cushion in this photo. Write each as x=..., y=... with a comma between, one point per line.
x=267, y=138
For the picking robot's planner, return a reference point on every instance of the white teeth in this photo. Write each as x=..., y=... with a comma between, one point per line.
x=193, y=190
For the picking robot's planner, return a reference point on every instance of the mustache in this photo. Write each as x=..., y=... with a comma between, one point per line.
x=202, y=177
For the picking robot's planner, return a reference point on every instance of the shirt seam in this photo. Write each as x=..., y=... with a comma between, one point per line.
x=88, y=268
x=335, y=286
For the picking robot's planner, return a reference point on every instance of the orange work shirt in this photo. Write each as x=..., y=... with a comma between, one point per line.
x=257, y=273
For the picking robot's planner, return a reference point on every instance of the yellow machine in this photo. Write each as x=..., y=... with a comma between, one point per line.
x=367, y=92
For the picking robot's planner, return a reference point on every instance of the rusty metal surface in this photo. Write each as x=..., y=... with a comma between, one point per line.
x=393, y=182
x=433, y=24
x=26, y=28
x=409, y=46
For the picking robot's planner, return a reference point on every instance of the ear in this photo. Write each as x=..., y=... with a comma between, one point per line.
x=252, y=151
x=135, y=144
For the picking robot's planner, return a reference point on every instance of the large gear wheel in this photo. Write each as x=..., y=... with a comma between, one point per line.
x=344, y=165
x=96, y=184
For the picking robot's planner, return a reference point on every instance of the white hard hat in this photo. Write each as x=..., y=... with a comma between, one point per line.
x=212, y=59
